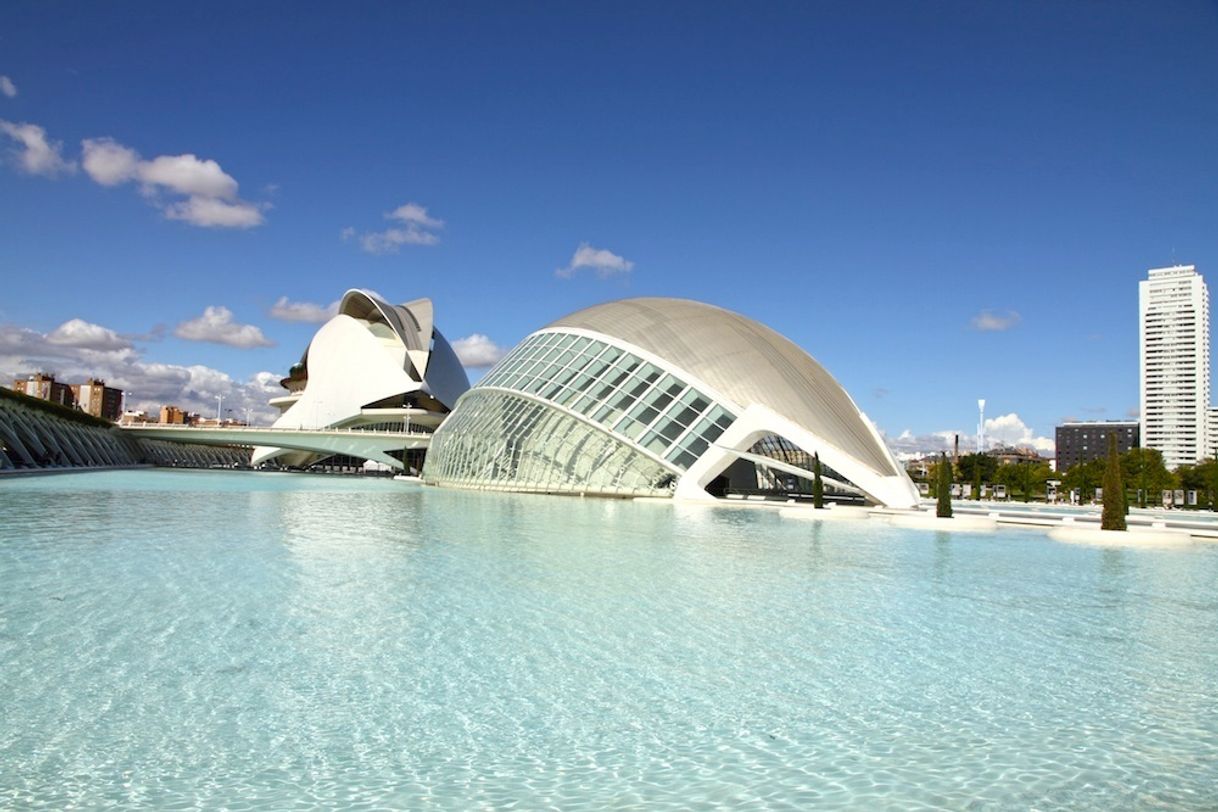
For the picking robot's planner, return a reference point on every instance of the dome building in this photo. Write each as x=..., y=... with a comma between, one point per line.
x=373, y=365
x=662, y=397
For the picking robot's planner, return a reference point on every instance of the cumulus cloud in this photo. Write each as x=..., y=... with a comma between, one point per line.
x=602, y=262
x=77, y=350
x=478, y=350
x=210, y=193
x=1006, y=430
x=1009, y=429
x=34, y=153
x=211, y=212
x=188, y=175
x=108, y=162
x=416, y=227
x=989, y=321
x=287, y=310
x=84, y=335
x=7, y=87
x=217, y=326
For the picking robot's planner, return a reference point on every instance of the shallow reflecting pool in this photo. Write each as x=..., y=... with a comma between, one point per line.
x=176, y=639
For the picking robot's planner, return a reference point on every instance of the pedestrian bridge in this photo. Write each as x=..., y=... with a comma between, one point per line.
x=369, y=445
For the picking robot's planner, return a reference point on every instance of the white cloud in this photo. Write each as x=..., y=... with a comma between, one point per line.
x=418, y=228
x=36, y=155
x=989, y=321
x=108, y=162
x=76, y=353
x=391, y=239
x=602, y=262
x=211, y=212
x=415, y=214
x=84, y=335
x=477, y=351
x=217, y=326
x=7, y=87
x=210, y=193
x=303, y=311
x=1006, y=430
x=1009, y=429
x=188, y=175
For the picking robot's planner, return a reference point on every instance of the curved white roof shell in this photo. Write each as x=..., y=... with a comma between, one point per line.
x=363, y=365
x=682, y=390
x=745, y=361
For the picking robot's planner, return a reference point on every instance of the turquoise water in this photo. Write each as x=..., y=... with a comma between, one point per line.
x=177, y=640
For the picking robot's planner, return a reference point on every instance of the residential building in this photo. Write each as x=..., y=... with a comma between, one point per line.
x=172, y=415
x=1174, y=363
x=95, y=398
x=42, y=385
x=1084, y=441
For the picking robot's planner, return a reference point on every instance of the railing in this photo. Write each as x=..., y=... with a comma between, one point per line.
x=172, y=427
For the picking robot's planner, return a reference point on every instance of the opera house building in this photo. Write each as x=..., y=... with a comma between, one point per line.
x=663, y=398
x=373, y=365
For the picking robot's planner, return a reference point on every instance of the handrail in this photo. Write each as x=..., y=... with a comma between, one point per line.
x=171, y=427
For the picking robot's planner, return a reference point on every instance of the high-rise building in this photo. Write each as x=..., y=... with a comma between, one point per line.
x=1174, y=363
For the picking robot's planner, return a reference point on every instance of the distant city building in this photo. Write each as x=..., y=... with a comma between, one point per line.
x=1009, y=455
x=1086, y=441
x=1174, y=363
x=92, y=397
x=95, y=398
x=173, y=415
x=43, y=386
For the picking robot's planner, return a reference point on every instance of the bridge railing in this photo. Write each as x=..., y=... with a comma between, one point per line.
x=260, y=429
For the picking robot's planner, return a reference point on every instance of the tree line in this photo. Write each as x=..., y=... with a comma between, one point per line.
x=1143, y=475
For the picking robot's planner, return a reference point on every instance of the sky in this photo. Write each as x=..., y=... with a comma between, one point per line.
x=939, y=201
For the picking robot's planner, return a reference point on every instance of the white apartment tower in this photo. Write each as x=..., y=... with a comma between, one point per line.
x=1174, y=363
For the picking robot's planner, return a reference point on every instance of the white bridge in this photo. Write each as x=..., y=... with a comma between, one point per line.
x=368, y=445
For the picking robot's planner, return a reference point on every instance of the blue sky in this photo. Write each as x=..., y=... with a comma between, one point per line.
x=873, y=180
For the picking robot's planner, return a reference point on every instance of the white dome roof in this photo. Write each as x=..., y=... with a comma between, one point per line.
x=744, y=360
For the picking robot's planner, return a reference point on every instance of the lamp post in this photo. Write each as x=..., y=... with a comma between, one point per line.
x=219, y=404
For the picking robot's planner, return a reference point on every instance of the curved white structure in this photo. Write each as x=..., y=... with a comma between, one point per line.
x=372, y=365
x=660, y=397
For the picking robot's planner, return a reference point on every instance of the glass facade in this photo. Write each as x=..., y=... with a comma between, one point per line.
x=632, y=403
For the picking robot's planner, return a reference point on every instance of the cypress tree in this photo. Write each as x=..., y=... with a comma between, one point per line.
x=944, y=508
x=1113, y=517
x=977, y=478
x=818, y=487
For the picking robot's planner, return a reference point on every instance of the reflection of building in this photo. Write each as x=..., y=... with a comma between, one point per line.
x=660, y=397
x=1084, y=441
x=43, y=386
x=1174, y=362
x=95, y=398
x=374, y=365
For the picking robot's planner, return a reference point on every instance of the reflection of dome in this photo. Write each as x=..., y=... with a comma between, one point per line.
x=373, y=363
x=655, y=396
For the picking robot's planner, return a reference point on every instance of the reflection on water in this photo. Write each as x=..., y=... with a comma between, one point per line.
x=217, y=639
